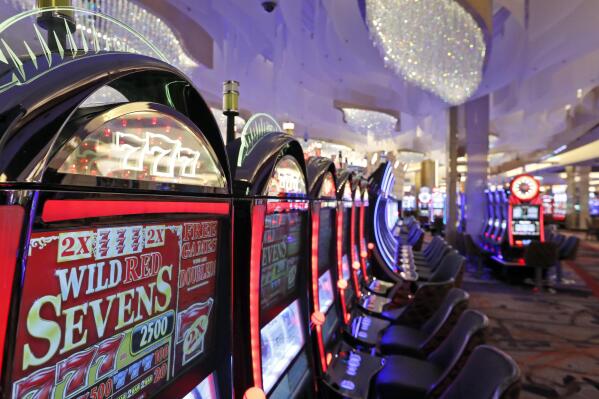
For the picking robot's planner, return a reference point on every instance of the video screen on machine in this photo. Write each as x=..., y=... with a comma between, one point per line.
x=204, y=390
x=326, y=294
x=327, y=237
x=281, y=340
x=346, y=231
x=525, y=212
x=281, y=256
x=142, y=296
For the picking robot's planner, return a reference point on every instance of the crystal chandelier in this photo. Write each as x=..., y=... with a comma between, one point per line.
x=135, y=17
x=435, y=44
x=369, y=122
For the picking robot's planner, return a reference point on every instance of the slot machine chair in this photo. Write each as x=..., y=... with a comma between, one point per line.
x=420, y=341
x=413, y=378
x=541, y=256
x=488, y=373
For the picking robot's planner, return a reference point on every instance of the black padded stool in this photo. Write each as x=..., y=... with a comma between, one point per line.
x=488, y=373
x=420, y=342
x=407, y=377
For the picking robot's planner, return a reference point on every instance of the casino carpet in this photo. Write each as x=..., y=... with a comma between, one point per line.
x=554, y=337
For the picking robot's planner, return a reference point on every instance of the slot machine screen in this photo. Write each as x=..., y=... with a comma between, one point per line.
x=346, y=233
x=326, y=239
x=282, y=335
x=204, y=390
x=525, y=220
x=131, y=301
x=325, y=291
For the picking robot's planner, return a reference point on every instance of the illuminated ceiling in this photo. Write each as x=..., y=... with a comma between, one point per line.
x=300, y=60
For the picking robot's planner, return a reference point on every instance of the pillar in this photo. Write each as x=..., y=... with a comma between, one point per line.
x=571, y=217
x=476, y=123
x=583, y=195
x=428, y=173
x=452, y=177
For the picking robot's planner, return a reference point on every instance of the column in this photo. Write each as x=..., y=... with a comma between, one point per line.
x=571, y=217
x=452, y=177
x=583, y=195
x=476, y=123
x=427, y=173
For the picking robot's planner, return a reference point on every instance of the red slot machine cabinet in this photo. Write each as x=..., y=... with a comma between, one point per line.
x=345, y=200
x=343, y=370
x=272, y=348
x=365, y=232
x=116, y=239
x=356, y=266
x=525, y=217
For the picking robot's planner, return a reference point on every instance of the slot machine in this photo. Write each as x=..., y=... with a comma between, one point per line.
x=525, y=215
x=116, y=233
x=496, y=213
x=355, y=238
x=424, y=204
x=342, y=369
x=490, y=213
x=547, y=207
x=437, y=205
x=408, y=204
x=500, y=236
x=365, y=232
x=272, y=349
x=593, y=205
x=560, y=203
x=345, y=210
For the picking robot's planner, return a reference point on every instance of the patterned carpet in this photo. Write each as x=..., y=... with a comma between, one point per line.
x=554, y=337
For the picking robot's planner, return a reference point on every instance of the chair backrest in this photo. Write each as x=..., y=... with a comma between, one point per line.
x=558, y=239
x=443, y=320
x=451, y=355
x=427, y=299
x=435, y=243
x=417, y=241
x=436, y=261
x=488, y=373
x=540, y=254
x=449, y=268
x=569, y=248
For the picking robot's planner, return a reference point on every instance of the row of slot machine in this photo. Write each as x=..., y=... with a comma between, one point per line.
x=555, y=207
x=142, y=258
x=514, y=219
x=430, y=206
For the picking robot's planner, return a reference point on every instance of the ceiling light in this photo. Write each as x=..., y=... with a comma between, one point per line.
x=375, y=157
x=435, y=44
x=409, y=156
x=369, y=122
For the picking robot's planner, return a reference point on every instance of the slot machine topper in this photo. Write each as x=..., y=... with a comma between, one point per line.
x=120, y=235
x=272, y=347
x=525, y=212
